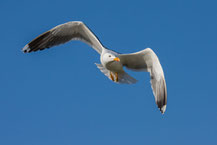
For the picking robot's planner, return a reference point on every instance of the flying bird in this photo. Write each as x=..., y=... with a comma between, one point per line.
x=112, y=63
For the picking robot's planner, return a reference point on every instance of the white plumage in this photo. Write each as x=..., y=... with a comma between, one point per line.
x=112, y=63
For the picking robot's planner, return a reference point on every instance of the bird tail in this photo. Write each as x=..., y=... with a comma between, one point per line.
x=123, y=78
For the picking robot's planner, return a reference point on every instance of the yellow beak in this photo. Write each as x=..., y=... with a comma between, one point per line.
x=116, y=59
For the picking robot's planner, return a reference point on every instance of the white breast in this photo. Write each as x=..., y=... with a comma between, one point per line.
x=114, y=66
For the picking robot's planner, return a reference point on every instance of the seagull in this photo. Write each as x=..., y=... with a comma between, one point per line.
x=112, y=63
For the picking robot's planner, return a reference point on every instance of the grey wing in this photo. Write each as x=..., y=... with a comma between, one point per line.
x=63, y=33
x=147, y=60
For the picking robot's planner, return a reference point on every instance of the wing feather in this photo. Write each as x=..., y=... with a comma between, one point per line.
x=147, y=60
x=63, y=33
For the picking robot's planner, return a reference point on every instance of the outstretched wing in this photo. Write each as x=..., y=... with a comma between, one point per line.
x=147, y=60
x=63, y=33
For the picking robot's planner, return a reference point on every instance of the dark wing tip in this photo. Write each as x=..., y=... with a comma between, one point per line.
x=26, y=48
x=163, y=109
x=39, y=43
x=160, y=93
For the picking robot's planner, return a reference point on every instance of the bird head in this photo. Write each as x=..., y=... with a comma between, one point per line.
x=108, y=57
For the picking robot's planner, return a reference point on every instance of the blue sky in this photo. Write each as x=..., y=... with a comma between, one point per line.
x=58, y=97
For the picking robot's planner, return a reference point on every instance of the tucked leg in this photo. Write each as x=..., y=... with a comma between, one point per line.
x=116, y=77
x=111, y=76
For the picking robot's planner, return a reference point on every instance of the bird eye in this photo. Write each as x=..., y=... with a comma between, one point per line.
x=109, y=55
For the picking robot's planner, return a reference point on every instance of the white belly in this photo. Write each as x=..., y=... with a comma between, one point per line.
x=115, y=66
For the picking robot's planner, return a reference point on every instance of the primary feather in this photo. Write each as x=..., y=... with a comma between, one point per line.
x=63, y=33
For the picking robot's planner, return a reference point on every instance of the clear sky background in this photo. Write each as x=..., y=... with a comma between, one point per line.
x=59, y=97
